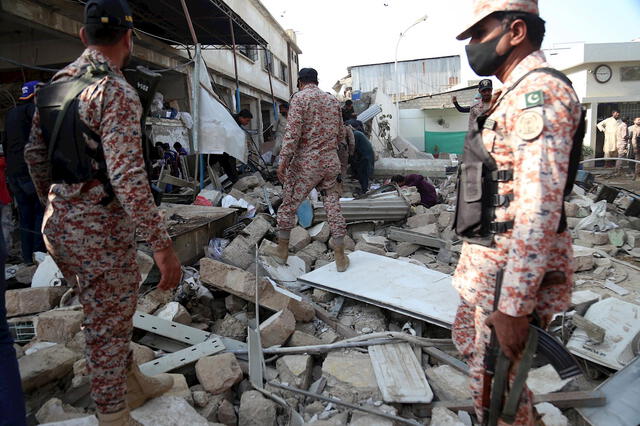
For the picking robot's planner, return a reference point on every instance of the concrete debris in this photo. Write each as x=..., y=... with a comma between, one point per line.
x=227, y=413
x=46, y=365
x=299, y=239
x=350, y=376
x=230, y=327
x=320, y=232
x=545, y=380
x=242, y=284
x=256, y=410
x=55, y=411
x=300, y=338
x=444, y=417
x=173, y=311
x=295, y=370
x=241, y=251
x=277, y=328
x=151, y=301
x=448, y=384
x=551, y=415
x=32, y=300
x=58, y=326
x=218, y=373
x=180, y=388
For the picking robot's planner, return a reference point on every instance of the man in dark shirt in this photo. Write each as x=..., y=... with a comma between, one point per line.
x=31, y=211
x=428, y=194
x=362, y=160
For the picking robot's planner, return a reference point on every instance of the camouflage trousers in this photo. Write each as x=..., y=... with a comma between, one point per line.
x=343, y=155
x=301, y=177
x=622, y=153
x=94, y=247
x=471, y=337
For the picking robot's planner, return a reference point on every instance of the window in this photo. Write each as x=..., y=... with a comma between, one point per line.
x=267, y=61
x=249, y=52
x=284, y=72
x=630, y=73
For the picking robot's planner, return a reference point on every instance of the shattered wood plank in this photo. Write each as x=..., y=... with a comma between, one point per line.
x=242, y=284
x=399, y=374
x=407, y=236
x=559, y=399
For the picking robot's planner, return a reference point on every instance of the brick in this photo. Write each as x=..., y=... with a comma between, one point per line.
x=32, y=300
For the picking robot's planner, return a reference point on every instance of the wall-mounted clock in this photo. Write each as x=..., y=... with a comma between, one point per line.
x=603, y=73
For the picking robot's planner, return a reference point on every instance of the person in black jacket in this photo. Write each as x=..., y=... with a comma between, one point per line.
x=17, y=129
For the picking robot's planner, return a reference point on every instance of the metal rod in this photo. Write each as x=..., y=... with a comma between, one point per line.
x=235, y=65
x=188, y=16
x=345, y=404
x=590, y=160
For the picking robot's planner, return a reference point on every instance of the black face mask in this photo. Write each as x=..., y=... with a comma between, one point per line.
x=483, y=58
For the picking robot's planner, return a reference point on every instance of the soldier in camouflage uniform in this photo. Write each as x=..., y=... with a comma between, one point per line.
x=309, y=159
x=529, y=133
x=485, y=89
x=93, y=243
x=346, y=149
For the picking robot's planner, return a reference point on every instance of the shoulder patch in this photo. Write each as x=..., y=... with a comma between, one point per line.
x=533, y=99
x=529, y=125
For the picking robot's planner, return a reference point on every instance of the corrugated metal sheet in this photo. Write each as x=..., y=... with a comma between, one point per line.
x=415, y=78
x=369, y=113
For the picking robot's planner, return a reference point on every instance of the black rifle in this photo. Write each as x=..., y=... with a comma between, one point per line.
x=145, y=82
x=546, y=346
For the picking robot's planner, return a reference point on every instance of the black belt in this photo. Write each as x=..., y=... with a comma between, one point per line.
x=500, y=227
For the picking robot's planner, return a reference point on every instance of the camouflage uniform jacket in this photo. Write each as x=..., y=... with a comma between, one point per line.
x=476, y=111
x=112, y=109
x=535, y=124
x=314, y=126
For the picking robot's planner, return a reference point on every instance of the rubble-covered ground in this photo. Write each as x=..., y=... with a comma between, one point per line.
x=218, y=296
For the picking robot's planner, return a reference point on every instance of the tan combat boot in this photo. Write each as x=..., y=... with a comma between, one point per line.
x=342, y=260
x=141, y=388
x=121, y=418
x=280, y=253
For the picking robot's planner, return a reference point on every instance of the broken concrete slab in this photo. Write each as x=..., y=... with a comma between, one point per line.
x=551, y=415
x=405, y=249
x=617, y=237
x=151, y=301
x=218, y=373
x=421, y=220
x=299, y=239
x=32, y=300
x=363, y=246
x=227, y=413
x=320, y=232
x=429, y=230
x=391, y=284
x=59, y=326
x=230, y=327
x=277, y=328
x=300, y=338
x=168, y=411
x=350, y=376
x=619, y=319
x=288, y=273
x=256, y=410
x=583, y=259
x=295, y=370
x=45, y=366
x=448, y=383
x=173, y=311
x=141, y=353
x=442, y=416
x=246, y=183
x=593, y=237
x=241, y=251
x=242, y=284
x=180, y=388
x=545, y=380
x=55, y=411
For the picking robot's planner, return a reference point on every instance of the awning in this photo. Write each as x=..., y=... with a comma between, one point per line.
x=165, y=18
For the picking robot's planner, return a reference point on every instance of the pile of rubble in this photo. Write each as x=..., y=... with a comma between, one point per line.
x=252, y=342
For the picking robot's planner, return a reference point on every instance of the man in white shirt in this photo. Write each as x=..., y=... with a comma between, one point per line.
x=610, y=129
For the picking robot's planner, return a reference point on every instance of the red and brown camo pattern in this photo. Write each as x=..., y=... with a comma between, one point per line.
x=346, y=148
x=533, y=247
x=94, y=245
x=476, y=111
x=310, y=146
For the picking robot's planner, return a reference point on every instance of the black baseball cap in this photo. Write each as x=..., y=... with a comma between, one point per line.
x=110, y=13
x=308, y=74
x=485, y=84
